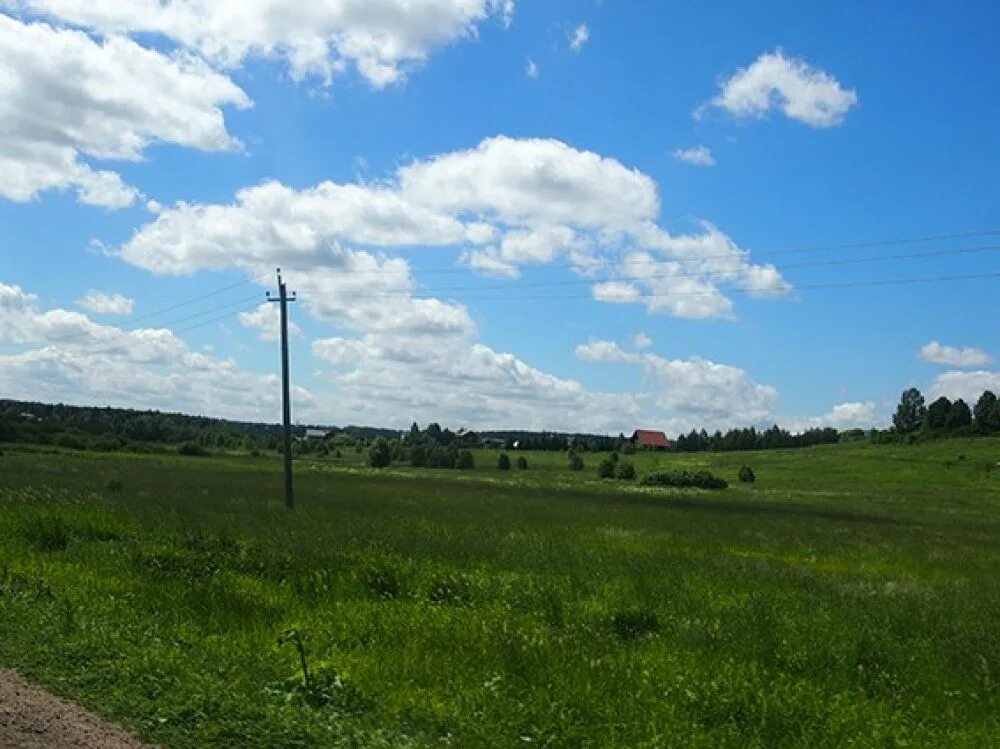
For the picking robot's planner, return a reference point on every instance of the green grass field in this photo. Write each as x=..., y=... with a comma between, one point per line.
x=851, y=597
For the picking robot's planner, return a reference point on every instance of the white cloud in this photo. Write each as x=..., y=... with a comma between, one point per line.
x=384, y=380
x=74, y=360
x=531, y=69
x=967, y=385
x=800, y=91
x=107, y=304
x=65, y=97
x=380, y=38
x=507, y=203
x=963, y=358
x=579, y=37
x=266, y=319
x=852, y=415
x=697, y=155
x=692, y=393
x=642, y=341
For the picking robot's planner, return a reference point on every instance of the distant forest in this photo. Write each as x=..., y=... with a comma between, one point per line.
x=111, y=429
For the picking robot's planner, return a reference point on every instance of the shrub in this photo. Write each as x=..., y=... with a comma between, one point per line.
x=114, y=486
x=71, y=442
x=465, y=461
x=628, y=449
x=503, y=462
x=625, y=472
x=747, y=475
x=522, y=463
x=576, y=462
x=684, y=479
x=614, y=457
x=606, y=469
x=192, y=449
x=379, y=455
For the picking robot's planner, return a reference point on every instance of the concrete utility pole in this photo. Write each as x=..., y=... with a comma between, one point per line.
x=286, y=400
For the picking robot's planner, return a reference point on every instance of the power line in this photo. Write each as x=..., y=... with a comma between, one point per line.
x=720, y=275
x=760, y=255
x=189, y=302
x=743, y=289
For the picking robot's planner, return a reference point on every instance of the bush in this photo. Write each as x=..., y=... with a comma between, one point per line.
x=465, y=461
x=576, y=462
x=71, y=442
x=46, y=533
x=628, y=449
x=747, y=475
x=503, y=462
x=522, y=463
x=684, y=479
x=606, y=469
x=192, y=449
x=114, y=486
x=379, y=455
x=625, y=472
x=614, y=457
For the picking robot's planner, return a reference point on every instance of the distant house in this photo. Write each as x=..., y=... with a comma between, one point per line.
x=316, y=434
x=650, y=440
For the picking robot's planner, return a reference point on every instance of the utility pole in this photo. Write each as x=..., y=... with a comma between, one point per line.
x=286, y=400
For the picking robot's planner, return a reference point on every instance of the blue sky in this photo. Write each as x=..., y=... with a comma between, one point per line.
x=405, y=167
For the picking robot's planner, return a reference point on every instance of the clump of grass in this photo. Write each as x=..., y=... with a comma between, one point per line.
x=632, y=624
x=451, y=590
x=383, y=583
x=114, y=486
x=46, y=533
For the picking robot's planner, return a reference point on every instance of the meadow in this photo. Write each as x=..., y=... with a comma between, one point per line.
x=850, y=597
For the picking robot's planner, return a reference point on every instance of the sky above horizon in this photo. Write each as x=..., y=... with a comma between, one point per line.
x=586, y=216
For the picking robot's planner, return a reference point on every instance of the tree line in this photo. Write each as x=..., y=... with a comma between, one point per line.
x=944, y=417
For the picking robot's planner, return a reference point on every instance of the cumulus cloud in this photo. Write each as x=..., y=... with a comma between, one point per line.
x=691, y=393
x=964, y=358
x=70, y=358
x=579, y=37
x=697, y=155
x=66, y=99
x=967, y=385
x=381, y=379
x=851, y=415
x=266, y=320
x=379, y=39
x=531, y=68
x=800, y=91
x=106, y=304
x=642, y=341
x=507, y=202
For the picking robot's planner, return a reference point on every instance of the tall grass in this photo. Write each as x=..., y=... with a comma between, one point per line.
x=849, y=597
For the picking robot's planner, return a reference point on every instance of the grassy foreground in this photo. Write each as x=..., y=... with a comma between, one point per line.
x=850, y=597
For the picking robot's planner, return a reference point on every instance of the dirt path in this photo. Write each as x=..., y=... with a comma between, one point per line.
x=31, y=718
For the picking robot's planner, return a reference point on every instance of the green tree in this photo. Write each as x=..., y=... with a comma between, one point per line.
x=379, y=455
x=503, y=462
x=910, y=413
x=465, y=461
x=576, y=462
x=418, y=456
x=987, y=413
x=960, y=416
x=937, y=414
x=414, y=433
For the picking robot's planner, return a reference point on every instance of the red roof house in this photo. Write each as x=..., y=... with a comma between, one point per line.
x=650, y=439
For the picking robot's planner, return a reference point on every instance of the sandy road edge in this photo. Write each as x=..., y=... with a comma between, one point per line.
x=32, y=718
